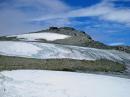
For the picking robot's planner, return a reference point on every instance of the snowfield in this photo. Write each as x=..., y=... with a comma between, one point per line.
x=18, y=48
x=49, y=36
x=36, y=83
x=48, y=51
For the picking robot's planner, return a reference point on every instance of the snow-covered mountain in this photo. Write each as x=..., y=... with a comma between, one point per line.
x=59, y=43
x=63, y=35
x=63, y=49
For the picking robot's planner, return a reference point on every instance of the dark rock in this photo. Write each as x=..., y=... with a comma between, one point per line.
x=53, y=28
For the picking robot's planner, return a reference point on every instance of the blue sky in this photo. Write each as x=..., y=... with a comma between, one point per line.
x=107, y=21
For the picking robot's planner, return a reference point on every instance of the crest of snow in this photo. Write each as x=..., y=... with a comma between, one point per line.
x=18, y=48
x=53, y=51
x=46, y=35
x=36, y=83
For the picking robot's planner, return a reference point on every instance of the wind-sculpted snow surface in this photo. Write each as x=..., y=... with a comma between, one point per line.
x=52, y=51
x=36, y=83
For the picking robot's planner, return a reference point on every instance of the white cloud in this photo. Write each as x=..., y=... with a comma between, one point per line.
x=103, y=10
x=58, y=22
x=122, y=16
x=117, y=44
x=13, y=19
x=55, y=6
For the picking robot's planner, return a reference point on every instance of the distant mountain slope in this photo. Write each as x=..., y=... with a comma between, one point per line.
x=63, y=35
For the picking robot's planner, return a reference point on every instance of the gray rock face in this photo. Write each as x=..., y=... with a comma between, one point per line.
x=67, y=31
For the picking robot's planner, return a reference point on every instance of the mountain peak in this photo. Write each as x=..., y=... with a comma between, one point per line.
x=67, y=31
x=59, y=28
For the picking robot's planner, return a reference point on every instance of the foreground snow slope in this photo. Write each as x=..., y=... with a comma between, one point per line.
x=33, y=83
x=49, y=36
x=46, y=51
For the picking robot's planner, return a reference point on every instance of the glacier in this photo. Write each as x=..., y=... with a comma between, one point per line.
x=53, y=51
